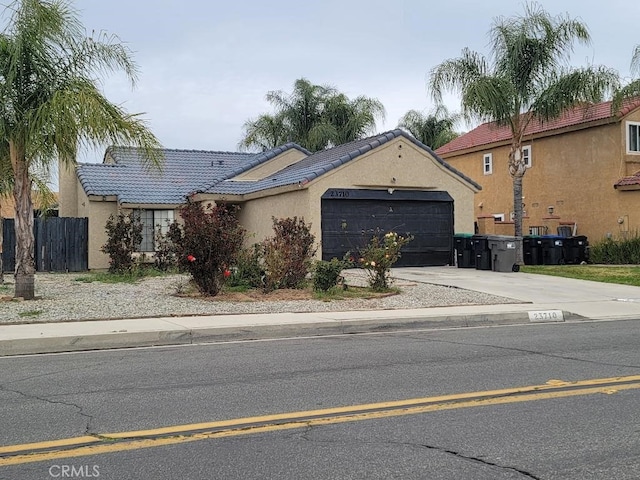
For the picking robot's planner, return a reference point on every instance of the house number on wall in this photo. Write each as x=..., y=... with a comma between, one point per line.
x=339, y=194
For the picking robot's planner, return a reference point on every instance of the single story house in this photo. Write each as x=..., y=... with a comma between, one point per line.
x=347, y=193
x=583, y=173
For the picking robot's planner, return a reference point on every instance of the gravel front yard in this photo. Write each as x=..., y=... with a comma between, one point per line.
x=63, y=297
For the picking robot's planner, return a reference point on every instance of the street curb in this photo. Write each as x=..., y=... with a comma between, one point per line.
x=186, y=336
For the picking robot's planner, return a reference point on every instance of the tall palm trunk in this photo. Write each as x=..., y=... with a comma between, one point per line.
x=517, y=217
x=517, y=169
x=25, y=263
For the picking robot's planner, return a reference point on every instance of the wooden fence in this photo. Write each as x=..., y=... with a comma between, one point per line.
x=61, y=244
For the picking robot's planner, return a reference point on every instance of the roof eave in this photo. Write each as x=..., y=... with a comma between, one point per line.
x=531, y=137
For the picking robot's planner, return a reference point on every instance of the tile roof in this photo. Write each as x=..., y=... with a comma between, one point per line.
x=187, y=171
x=489, y=133
x=321, y=162
x=183, y=172
x=628, y=181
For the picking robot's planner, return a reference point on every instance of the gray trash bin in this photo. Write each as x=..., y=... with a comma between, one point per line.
x=503, y=253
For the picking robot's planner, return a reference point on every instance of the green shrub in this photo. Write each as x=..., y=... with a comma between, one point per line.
x=208, y=243
x=616, y=252
x=124, y=235
x=288, y=254
x=166, y=254
x=247, y=270
x=379, y=255
x=326, y=275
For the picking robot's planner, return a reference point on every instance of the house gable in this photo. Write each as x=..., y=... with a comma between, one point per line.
x=288, y=156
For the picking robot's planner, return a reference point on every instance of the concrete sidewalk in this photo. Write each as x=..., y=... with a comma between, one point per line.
x=543, y=299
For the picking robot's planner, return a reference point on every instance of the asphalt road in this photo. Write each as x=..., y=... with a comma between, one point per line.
x=112, y=403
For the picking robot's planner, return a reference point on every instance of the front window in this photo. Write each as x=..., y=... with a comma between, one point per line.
x=152, y=220
x=633, y=137
x=488, y=164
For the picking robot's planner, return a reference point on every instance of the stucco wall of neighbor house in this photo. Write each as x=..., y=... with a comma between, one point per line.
x=401, y=165
x=256, y=215
x=573, y=173
x=98, y=213
x=68, y=186
x=276, y=164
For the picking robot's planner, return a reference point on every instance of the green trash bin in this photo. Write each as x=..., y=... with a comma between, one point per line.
x=464, y=250
x=503, y=253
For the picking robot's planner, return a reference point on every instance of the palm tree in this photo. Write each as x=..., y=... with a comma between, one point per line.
x=50, y=105
x=434, y=129
x=265, y=132
x=352, y=119
x=527, y=77
x=632, y=89
x=313, y=116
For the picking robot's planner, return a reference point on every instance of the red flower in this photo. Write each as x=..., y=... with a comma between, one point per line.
x=227, y=273
x=191, y=258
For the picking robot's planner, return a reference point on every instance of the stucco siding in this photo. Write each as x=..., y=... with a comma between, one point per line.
x=68, y=187
x=98, y=213
x=256, y=215
x=278, y=163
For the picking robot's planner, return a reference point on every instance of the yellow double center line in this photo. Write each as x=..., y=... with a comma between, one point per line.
x=118, y=442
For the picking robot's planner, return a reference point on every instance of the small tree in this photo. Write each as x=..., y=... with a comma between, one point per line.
x=208, y=244
x=124, y=234
x=288, y=254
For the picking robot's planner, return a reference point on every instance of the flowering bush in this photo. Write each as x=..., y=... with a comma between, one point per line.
x=208, y=243
x=380, y=254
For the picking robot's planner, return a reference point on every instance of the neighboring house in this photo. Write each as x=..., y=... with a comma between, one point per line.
x=387, y=182
x=583, y=173
x=7, y=206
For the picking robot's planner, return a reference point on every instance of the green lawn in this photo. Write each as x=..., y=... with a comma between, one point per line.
x=627, y=275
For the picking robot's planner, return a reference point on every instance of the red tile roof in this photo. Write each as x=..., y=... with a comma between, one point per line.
x=630, y=180
x=488, y=133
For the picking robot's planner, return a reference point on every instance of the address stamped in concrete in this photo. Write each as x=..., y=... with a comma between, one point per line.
x=546, y=316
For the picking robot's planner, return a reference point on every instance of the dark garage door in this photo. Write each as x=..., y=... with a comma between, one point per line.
x=350, y=217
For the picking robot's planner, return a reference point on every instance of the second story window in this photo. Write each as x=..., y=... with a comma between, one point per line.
x=633, y=137
x=487, y=164
x=526, y=155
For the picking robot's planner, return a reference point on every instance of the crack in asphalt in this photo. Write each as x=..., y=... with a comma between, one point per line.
x=305, y=435
x=523, y=350
x=89, y=418
x=477, y=460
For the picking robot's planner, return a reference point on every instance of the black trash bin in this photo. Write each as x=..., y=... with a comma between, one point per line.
x=576, y=249
x=552, y=249
x=482, y=252
x=532, y=250
x=465, y=257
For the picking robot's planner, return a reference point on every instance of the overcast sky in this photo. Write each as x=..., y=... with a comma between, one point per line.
x=207, y=65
